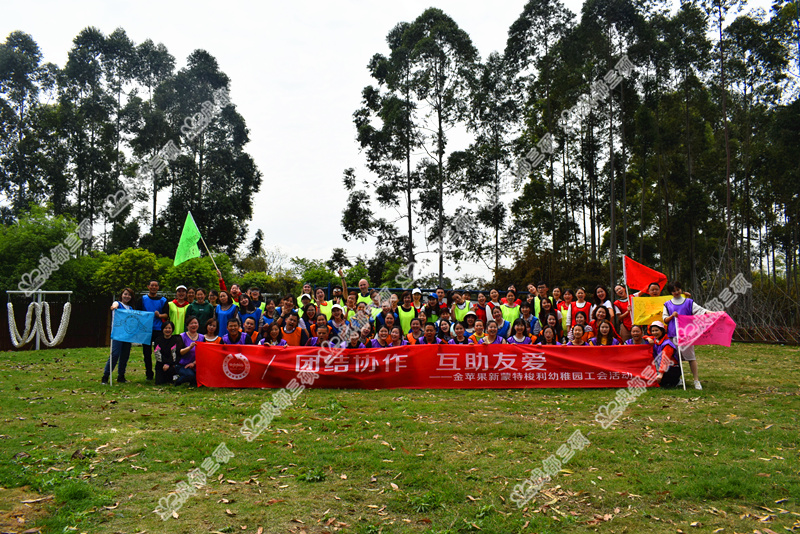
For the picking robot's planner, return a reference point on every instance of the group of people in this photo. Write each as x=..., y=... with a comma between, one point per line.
x=365, y=318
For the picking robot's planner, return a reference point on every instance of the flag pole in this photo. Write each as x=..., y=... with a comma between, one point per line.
x=204, y=243
x=209, y=252
x=110, y=353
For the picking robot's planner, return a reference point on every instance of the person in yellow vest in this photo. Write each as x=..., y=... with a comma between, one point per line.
x=306, y=291
x=364, y=296
x=432, y=308
x=177, y=310
x=460, y=307
x=406, y=312
x=350, y=305
x=323, y=306
x=375, y=307
x=510, y=307
x=305, y=300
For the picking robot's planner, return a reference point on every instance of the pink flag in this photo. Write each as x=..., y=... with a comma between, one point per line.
x=714, y=328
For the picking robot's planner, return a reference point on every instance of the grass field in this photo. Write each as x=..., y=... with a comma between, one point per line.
x=94, y=458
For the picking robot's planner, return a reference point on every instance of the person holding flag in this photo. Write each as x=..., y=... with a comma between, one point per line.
x=622, y=307
x=120, y=350
x=681, y=305
x=640, y=277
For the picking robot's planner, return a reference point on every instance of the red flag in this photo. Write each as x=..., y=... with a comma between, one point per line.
x=639, y=277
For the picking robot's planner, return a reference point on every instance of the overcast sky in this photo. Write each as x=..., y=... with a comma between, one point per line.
x=297, y=70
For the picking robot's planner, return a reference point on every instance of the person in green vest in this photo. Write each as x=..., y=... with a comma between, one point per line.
x=306, y=290
x=432, y=308
x=323, y=306
x=305, y=300
x=460, y=307
x=350, y=305
x=406, y=312
x=364, y=294
x=510, y=307
x=374, y=307
x=201, y=309
x=177, y=310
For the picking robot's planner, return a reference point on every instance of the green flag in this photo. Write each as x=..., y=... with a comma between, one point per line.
x=187, y=248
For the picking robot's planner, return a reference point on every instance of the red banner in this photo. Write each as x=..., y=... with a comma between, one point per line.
x=423, y=366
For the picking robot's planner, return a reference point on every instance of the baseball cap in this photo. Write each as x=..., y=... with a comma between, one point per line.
x=305, y=296
x=336, y=306
x=416, y=290
x=433, y=296
x=180, y=287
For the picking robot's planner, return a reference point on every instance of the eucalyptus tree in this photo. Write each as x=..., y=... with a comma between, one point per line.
x=148, y=122
x=26, y=126
x=442, y=59
x=485, y=165
x=530, y=55
x=88, y=110
x=387, y=131
x=211, y=174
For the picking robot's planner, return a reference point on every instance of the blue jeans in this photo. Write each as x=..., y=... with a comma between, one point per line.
x=185, y=375
x=120, y=352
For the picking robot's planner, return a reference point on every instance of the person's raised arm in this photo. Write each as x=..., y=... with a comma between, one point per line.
x=344, y=285
x=222, y=286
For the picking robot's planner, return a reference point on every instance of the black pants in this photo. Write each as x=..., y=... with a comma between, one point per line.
x=147, y=350
x=671, y=377
x=164, y=377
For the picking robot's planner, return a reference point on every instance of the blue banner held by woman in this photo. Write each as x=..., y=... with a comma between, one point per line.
x=132, y=326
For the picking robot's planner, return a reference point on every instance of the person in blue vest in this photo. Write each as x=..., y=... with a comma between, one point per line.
x=682, y=305
x=159, y=306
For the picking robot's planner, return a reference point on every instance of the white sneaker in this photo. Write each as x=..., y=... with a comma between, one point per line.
x=680, y=383
x=697, y=385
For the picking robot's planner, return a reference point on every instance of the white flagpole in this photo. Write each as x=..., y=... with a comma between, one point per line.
x=680, y=356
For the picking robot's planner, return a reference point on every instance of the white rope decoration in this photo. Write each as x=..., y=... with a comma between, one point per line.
x=16, y=339
x=49, y=339
x=34, y=324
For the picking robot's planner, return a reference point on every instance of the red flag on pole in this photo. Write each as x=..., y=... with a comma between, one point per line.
x=639, y=277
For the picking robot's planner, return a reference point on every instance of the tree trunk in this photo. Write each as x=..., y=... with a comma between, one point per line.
x=612, y=245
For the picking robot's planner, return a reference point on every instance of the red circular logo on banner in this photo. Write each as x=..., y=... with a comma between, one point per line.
x=236, y=366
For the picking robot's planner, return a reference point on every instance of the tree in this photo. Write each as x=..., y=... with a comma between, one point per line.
x=24, y=176
x=442, y=57
x=391, y=144
x=532, y=41
x=494, y=111
x=132, y=268
x=149, y=124
x=213, y=175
